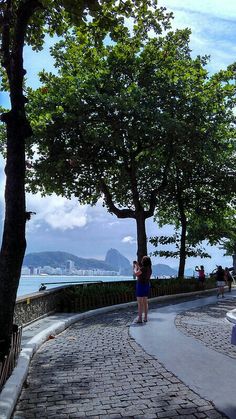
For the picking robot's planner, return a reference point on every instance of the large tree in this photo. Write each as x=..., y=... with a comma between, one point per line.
x=26, y=22
x=131, y=115
x=201, y=186
x=107, y=126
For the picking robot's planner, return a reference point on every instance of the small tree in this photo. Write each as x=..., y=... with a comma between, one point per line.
x=229, y=245
x=175, y=240
x=221, y=230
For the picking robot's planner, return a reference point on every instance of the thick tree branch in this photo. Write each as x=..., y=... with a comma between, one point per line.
x=131, y=171
x=155, y=192
x=120, y=213
x=24, y=13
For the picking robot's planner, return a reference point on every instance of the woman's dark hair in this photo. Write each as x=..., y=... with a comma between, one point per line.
x=146, y=269
x=146, y=261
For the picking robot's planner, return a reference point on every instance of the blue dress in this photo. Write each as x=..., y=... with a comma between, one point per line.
x=143, y=282
x=142, y=290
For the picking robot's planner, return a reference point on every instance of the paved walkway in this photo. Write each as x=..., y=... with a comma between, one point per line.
x=97, y=368
x=192, y=340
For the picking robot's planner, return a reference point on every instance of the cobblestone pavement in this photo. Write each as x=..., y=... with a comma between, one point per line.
x=209, y=325
x=94, y=369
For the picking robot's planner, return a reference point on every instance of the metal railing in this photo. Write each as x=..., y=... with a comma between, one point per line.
x=43, y=286
x=10, y=360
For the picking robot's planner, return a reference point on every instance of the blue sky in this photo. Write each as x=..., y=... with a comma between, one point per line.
x=64, y=225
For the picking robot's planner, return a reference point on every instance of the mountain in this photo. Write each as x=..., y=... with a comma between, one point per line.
x=119, y=262
x=163, y=270
x=114, y=261
x=59, y=259
x=189, y=272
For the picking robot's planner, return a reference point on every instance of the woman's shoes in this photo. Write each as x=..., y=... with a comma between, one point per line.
x=140, y=321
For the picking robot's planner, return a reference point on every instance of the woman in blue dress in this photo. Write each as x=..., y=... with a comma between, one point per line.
x=143, y=273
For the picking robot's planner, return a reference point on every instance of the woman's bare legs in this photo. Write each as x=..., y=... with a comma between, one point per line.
x=140, y=308
x=145, y=308
x=221, y=291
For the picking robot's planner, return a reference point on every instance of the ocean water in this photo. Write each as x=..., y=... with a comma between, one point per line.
x=31, y=283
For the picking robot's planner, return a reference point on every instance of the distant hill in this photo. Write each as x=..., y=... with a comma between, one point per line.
x=59, y=259
x=189, y=272
x=119, y=262
x=161, y=269
x=114, y=261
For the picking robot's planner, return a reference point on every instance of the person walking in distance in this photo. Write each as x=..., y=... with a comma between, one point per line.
x=228, y=278
x=201, y=275
x=143, y=274
x=220, y=281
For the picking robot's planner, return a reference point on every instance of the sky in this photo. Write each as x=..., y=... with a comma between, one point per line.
x=61, y=224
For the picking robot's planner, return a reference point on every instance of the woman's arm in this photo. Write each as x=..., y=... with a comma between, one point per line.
x=138, y=272
x=135, y=267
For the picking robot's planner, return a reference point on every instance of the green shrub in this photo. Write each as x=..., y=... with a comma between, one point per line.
x=84, y=297
x=97, y=289
x=177, y=286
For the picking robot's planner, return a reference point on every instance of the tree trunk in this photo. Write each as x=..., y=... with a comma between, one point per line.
x=182, y=258
x=141, y=235
x=18, y=129
x=13, y=243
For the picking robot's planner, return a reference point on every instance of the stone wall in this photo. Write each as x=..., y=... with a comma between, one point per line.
x=36, y=305
x=33, y=306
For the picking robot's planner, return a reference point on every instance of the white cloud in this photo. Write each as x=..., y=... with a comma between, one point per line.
x=56, y=211
x=113, y=223
x=213, y=26
x=128, y=239
x=216, y=8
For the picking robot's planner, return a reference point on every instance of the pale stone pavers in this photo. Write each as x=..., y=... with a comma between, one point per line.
x=96, y=370
x=209, y=324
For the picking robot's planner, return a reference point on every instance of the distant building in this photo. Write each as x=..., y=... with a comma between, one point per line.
x=70, y=266
x=69, y=269
x=48, y=270
x=25, y=270
x=95, y=272
x=31, y=270
x=58, y=271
